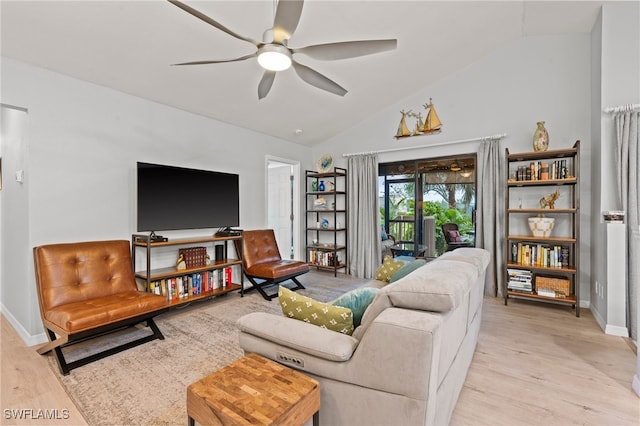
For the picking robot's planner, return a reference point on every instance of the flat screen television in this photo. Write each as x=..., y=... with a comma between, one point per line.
x=171, y=198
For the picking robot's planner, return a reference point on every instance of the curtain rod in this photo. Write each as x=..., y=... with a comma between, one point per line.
x=623, y=108
x=484, y=138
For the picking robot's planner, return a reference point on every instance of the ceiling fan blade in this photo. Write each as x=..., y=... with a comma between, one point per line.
x=286, y=20
x=210, y=21
x=318, y=80
x=221, y=61
x=265, y=83
x=347, y=49
x=241, y=58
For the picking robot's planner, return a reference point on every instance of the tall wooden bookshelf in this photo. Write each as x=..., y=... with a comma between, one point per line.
x=552, y=261
x=326, y=224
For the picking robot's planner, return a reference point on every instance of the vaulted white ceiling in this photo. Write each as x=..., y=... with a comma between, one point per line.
x=129, y=46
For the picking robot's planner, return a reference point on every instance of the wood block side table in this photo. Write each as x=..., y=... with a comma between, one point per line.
x=254, y=390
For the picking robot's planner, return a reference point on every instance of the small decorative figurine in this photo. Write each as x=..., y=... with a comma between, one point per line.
x=548, y=201
x=180, y=263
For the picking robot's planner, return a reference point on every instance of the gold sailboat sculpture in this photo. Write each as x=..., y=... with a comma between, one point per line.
x=419, y=124
x=432, y=123
x=430, y=126
x=403, y=130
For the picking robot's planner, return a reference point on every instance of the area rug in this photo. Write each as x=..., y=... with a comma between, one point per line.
x=146, y=385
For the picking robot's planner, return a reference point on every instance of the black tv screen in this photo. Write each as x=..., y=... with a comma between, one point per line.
x=171, y=198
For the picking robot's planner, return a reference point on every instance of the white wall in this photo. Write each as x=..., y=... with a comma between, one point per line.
x=14, y=221
x=536, y=78
x=84, y=141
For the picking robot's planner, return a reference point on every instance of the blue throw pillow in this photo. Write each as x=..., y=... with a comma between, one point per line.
x=357, y=300
x=407, y=269
x=383, y=234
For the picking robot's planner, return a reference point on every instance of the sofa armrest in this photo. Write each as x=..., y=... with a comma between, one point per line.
x=299, y=335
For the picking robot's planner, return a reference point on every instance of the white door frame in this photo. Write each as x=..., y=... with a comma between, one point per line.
x=297, y=248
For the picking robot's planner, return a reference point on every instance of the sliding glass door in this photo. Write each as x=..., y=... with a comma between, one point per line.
x=418, y=197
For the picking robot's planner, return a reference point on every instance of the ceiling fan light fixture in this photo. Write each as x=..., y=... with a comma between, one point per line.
x=455, y=168
x=274, y=57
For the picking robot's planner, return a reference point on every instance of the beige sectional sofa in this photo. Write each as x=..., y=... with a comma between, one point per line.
x=408, y=360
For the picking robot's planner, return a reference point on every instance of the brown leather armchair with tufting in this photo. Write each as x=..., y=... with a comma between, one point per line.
x=88, y=289
x=262, y=264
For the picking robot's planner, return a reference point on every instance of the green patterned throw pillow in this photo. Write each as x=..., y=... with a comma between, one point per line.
x=306, y=309
x=388, y=267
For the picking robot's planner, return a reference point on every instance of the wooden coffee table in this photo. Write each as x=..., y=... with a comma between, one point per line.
x=254, y=390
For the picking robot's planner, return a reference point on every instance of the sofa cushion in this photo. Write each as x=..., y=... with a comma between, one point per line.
x=358, y=301
x=388, y=267
x=438, y=286
x=297, y=306
x=407, y=269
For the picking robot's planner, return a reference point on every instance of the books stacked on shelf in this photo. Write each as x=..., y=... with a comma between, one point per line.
x=537, y=170
x=323, y=258
x=520, y=280
x=542, y=255
x=194, y=257
x=188, y=285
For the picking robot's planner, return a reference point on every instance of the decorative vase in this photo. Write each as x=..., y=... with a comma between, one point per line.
x=321, y=186
x=540, y=138
x=314, y=186
x=541, y=226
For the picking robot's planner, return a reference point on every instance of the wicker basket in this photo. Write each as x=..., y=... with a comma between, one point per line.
x=562, y=286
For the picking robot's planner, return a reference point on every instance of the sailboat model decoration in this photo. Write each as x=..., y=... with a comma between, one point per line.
x=430, y=126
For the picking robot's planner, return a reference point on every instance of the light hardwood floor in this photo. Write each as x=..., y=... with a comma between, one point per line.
x=535, y=364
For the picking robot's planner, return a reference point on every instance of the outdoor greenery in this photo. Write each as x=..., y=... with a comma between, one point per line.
x=456, y=205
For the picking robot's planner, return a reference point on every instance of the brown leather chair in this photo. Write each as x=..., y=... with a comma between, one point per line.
x=263, y=266
x=88, y=289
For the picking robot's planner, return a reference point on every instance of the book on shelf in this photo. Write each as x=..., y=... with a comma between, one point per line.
x=323, y=258
x=537, y=170
x=194, y=257
x=541, y=255
x=546, y=292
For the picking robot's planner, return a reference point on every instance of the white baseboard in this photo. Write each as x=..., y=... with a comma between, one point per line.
x=29, y=339
x=616, y=330
x=598, y=317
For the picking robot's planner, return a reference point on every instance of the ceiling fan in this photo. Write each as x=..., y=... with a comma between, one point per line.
x=275, y=55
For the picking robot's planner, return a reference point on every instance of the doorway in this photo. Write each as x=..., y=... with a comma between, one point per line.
x=418, y=196
x=282, y=203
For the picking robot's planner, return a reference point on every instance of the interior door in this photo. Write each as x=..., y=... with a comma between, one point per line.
x=280, y=206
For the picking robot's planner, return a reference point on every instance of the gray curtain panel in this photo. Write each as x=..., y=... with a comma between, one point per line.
x=628, y=136
x=363, y=224
x=490, y=212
